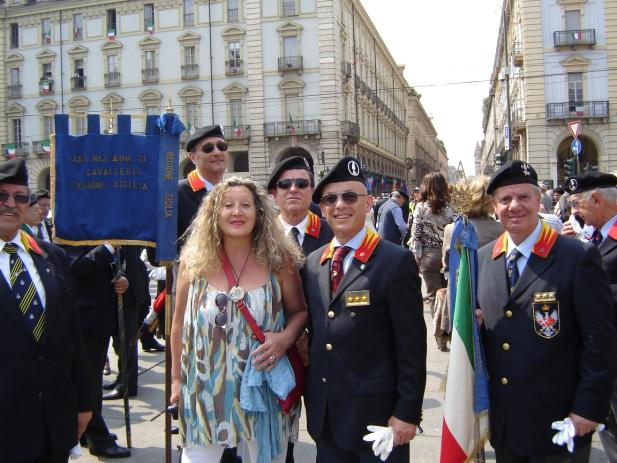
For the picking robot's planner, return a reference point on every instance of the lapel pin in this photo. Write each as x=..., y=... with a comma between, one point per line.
x=362, y=267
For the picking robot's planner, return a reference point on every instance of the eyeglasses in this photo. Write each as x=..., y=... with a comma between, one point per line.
x=575, y=203
x=209, y=147
x=348, y=197
x=19, y=198
x=286, y=184
x=221, y=302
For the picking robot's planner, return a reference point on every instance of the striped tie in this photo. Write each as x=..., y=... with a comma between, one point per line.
x=24, y=291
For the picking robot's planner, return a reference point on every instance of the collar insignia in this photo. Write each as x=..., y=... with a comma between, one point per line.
x=364, y=251
x=195, y=182
x=29, y=243
x=541, y=248
x=313, y=226
x=613, y=231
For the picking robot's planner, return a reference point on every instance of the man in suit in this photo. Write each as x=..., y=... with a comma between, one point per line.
x=390, y=222
x=593, y=197
x=368, y=337
x=96, y=288
x=291, y=184
x=548, y=328
x=44, y=397
x=43, y=228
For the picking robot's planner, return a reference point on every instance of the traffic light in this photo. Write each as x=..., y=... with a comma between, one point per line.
x=569, y=166
x=500, y=159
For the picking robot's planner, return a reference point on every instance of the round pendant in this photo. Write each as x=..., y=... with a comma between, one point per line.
x=236, y=293
x=220, y=319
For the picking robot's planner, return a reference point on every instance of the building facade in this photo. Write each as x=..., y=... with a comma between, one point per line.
x=312, y=75
x=554, y=63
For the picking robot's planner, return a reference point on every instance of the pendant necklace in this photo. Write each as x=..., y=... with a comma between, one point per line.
x=236, y=293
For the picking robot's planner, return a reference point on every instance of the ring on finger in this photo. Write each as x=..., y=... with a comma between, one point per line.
x=272, y=358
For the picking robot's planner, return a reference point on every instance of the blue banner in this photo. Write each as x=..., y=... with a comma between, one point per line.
x=120, y=189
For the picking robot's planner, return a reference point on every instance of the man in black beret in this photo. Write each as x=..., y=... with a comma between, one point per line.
x=368, y=337
x=44, y=227
x=548, y=328
x=206, y=149
x=44, y=395
x=593, y=197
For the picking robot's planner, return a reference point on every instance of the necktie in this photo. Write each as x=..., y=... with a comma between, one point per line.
x=25, y=292
x=39, y=234
x=295, y=234
x=596, y=237
x=337, y=273
x=512, y=268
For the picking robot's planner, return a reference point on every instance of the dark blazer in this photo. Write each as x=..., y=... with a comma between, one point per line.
x=96, y=299
x=535, y=376
x=188, y=204
x=44, y=384
x=312, y=242
x=135, y=271
x=367, y=363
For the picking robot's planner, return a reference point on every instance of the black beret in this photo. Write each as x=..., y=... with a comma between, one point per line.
x=513, y=172
x=295, y=162
x=38, y=194
x=347, y=169
x=14, y=172
x=209, y=131
x=590, y=181
x=403, y=193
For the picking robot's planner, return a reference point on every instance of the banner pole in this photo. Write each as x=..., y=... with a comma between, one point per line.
x=168, y=318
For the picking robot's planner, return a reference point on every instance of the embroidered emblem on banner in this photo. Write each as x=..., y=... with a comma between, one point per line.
x=546, y=321
x=357, y=298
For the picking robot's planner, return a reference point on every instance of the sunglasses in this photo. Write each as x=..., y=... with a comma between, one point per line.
x=348, y=197
x=19, y=198
x=209, y=147
x=221, y=302
x=286, y=184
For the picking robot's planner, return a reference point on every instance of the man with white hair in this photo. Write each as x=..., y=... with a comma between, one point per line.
x=593, y=197
x=390, y=223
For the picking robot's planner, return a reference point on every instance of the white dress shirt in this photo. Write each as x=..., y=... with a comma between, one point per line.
x=301, y=228
x=607, y=226
x=524, y=248
x=354, y=244
x=5, y=266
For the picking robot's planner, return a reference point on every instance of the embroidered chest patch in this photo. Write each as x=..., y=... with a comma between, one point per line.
x=546, y=322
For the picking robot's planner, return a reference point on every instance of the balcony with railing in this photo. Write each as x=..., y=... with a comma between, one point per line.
x=517, y=119
x=290, y=63
x=112, y=79
x=237, y=132
x=150, y=75
x=190, y=71
x=573, y=38
x=46, y=86
x=350, y=130
x=19, y=148
x=232, y=15
x=299, y=127
x=289, y=8
x=234, y=67
x=14, y=91
x=577, y=109
x=78, y=83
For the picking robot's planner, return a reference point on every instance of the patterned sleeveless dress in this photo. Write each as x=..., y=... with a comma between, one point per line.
x=213, y=360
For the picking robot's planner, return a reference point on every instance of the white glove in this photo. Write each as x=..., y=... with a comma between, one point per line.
x=157, y=273
x=566, y=433
x=75, y=452
x=383, y=440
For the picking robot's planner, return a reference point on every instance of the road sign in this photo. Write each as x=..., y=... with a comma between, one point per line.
x=575, y=147
x=575, y=128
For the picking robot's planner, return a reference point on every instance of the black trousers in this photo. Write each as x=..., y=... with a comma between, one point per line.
x=97, y=433
x=130, y=325
x=580, y=455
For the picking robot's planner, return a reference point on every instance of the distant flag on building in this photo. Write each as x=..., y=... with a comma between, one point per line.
x=111, y=33
x=237, y=130
x=465, y=416
x=11, y=152
x=190, y=128
x=46, y=146
x=292, y=128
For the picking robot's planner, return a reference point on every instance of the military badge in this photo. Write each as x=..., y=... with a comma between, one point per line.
x=545, y=312
x=357, y=298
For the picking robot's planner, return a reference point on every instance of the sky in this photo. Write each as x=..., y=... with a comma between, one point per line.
x=443, y=43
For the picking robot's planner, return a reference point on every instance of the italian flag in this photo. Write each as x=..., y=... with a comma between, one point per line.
x=465, y=417
x=10, y=150
x=46, y=146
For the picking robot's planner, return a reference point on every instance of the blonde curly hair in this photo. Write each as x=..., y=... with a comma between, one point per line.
x=201, y=252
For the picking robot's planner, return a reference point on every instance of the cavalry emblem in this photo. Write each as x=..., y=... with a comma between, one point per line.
x=546, y=321
x=353, y=168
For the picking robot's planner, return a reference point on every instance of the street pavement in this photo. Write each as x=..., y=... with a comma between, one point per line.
x=147, y=422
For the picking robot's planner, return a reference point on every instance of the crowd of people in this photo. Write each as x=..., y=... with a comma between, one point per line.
x=316, y=288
